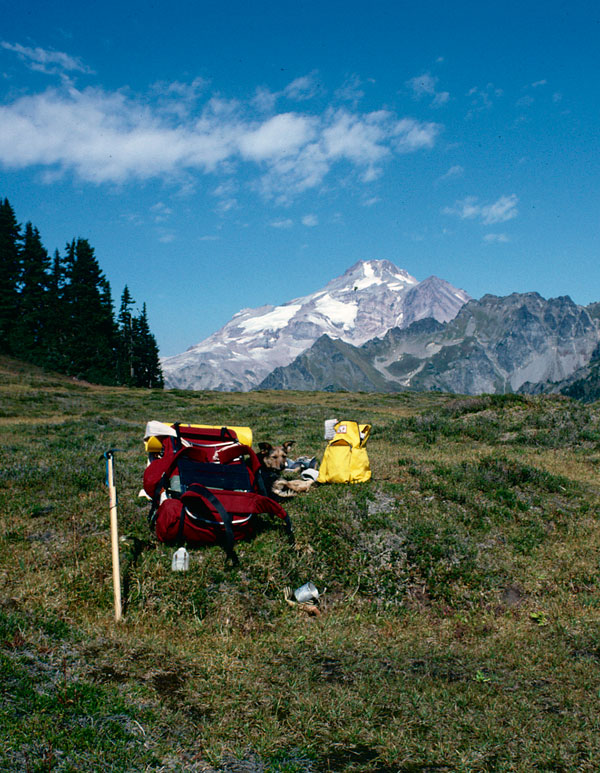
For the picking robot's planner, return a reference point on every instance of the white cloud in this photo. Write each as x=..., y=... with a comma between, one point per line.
x=505, y=208
x=483, y=99
x=413, y=135
x=500, y=211
x=357, y=138
x=310, y=220
x=370, y=174
x=542, y=82
x=161, y=212
x=281, y=135
x=225, y=189
x=264, y=99
x=180, y=89
x=466, y=208
x=496, y=238
x=305, y=87
x=351, y=90
x=178, y=98
x=363, y=140
x=426, y=86
x=132, y=217
x=455, y=171
x=422, y=85
x=286, y=223
x=49, y=62
x=226, y=205
x=112, y=137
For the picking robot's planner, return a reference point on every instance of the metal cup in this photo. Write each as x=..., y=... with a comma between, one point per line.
x=306, y=592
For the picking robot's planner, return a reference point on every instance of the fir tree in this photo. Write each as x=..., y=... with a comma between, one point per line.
x=29, y=337
x=146, y=364
x=10, y=235
x=57, y=318
x=125, y=373
x=91, y=338
x=60, y=315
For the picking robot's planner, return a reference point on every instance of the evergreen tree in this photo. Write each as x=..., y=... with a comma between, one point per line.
x=91, y=337
x=125, y=374
x=57, y=319
x=60, y=315
x=29, y=337
x=10, y=235
x=146, y=364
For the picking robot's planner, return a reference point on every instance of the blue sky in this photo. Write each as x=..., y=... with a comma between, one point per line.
x=227, y=155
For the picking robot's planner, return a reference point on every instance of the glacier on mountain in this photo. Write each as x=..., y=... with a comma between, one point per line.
x=365, y=302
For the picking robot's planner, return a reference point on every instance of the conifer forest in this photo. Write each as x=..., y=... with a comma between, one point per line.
x=57, y=312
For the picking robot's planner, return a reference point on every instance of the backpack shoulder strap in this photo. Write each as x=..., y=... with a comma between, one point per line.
x=207, y=494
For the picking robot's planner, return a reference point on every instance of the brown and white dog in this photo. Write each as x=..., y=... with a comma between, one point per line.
x=273, y=463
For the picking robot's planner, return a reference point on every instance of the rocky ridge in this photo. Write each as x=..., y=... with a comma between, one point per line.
x=365, y=302
x=496, y=344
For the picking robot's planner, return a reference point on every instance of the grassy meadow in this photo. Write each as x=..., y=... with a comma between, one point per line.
x=459, y=626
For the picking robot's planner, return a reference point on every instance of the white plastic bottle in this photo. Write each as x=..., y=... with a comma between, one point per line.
x=181, y=560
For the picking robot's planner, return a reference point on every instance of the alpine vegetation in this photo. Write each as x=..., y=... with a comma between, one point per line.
x=457, y=624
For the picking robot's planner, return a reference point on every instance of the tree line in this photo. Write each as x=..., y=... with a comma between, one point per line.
x=58, y=312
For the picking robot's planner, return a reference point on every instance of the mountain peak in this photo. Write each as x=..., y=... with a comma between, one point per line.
x=366, y=273
x=371, y=297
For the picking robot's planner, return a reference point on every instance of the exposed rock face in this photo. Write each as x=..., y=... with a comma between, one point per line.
x=369, y=299
x=492, y=345
x=329, y=365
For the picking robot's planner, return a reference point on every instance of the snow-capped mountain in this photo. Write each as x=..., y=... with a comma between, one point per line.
x=365, y=302
x=520, y=342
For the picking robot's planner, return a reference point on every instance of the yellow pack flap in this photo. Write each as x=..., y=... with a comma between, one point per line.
x=352, y=433
x=244, y=434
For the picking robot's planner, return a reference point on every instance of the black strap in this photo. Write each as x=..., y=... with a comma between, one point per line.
x=225, y=517
x=178, y=433
x=180, y=538
x=260, y=484
x=289, y=530
x=153, y=514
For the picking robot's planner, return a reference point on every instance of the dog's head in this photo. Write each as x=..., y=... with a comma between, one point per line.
x=274, y=457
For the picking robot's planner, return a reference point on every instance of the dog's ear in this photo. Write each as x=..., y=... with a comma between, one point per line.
x=265, y=448
x=287, y=445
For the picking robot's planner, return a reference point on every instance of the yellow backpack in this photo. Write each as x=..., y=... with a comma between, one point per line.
x=345, y=459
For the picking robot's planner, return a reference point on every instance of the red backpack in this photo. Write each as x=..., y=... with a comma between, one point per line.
x=205, y=489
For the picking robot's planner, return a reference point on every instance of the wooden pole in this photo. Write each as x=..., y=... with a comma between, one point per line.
x=114, y=534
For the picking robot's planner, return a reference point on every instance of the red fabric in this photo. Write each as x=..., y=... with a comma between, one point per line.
x=207, y=435
x=195, y=532
x=237, y=503
x=167, y=463
x=155, y=470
